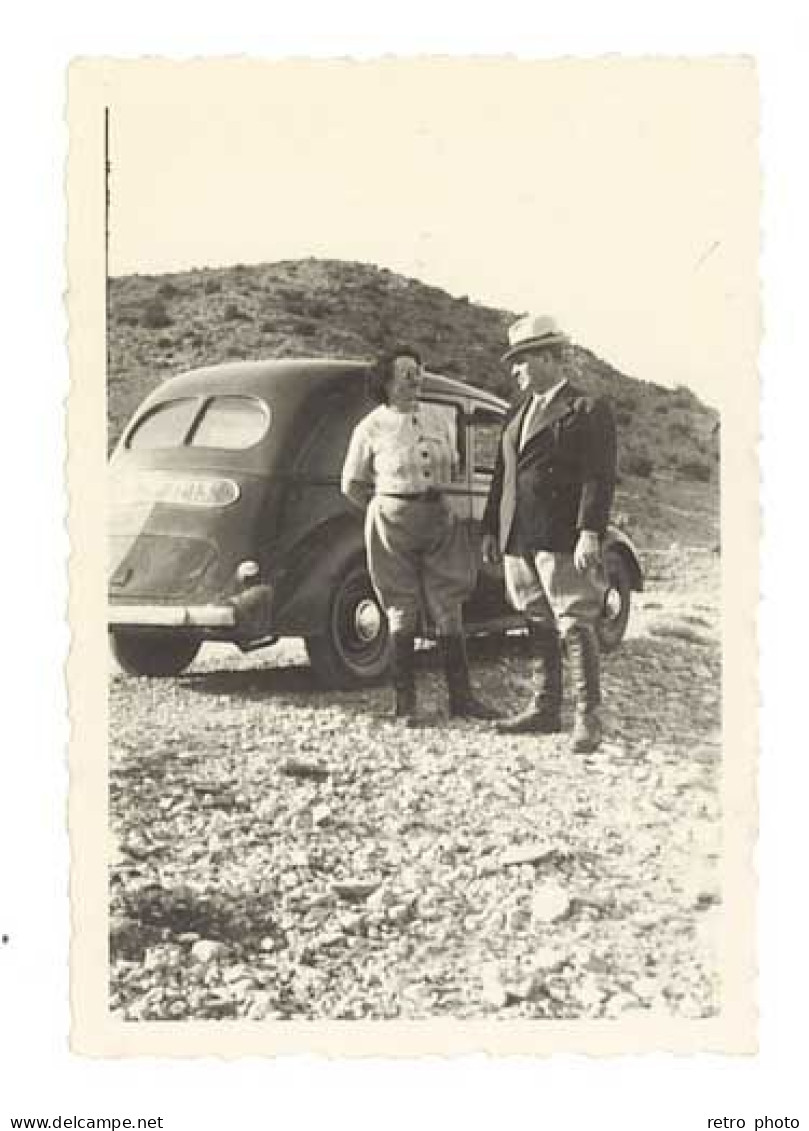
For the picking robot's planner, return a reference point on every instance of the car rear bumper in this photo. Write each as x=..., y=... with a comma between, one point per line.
x=244, y=617
x=172, y=616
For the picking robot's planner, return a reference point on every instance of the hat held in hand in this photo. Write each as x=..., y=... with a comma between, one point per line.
x=532, y=332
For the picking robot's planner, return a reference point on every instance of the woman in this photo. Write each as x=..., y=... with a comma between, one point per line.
x=400, y=458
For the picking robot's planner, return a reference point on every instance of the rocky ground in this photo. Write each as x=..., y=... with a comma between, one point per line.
x=284, y=852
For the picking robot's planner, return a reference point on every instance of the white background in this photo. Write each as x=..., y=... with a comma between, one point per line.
x=619, y=197
x=37, y=1074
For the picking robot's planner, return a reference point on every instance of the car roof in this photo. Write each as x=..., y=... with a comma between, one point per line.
x=304, y=376
x=438, y=383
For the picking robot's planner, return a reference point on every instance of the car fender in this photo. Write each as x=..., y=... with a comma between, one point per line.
x=615, y=540
x=306, y=587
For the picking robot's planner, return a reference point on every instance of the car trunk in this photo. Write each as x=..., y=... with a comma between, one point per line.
x=169, y=543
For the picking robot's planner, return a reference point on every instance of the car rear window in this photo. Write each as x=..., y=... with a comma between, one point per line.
x=166, y=426
x=227, y=422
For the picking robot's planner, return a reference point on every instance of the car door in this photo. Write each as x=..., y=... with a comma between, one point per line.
x=484, y=427
x=458, y=492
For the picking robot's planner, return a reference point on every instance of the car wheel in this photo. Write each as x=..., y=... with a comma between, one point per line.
x=354, y=648
x=156, y=654
x=617, y=602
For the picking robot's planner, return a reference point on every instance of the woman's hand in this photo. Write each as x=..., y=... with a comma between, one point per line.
x=358, y=493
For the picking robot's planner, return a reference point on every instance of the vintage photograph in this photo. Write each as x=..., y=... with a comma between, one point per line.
x=411, y=425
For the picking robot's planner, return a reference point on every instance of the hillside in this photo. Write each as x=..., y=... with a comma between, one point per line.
x=162, y=325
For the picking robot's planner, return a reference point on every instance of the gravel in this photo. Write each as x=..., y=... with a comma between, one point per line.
x=281, y=851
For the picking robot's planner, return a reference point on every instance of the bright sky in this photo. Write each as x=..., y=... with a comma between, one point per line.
x=622, y=197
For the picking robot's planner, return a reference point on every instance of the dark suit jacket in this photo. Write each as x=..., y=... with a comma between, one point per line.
x=562, y=480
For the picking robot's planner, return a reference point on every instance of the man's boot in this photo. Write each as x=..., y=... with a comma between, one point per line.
x=462, y=700
x=583, y=653
x=544, y=714
x=404, y=677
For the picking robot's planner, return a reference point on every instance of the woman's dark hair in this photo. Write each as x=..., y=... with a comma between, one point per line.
x=382, y=373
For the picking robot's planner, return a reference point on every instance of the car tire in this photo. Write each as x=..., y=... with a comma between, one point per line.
x=154, y=654
x=617, y=601
x=354, y=648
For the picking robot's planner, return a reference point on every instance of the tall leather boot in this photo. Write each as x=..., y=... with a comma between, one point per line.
x=585, y=669
x=544, y=713
x=404, y=677
x=462, y=701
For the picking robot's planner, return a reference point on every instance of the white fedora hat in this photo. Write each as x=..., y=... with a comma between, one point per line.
x=532, y=332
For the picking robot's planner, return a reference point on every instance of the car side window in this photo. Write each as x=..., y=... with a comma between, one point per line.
x=486, y=429
x=324, y=449
x=231, y=423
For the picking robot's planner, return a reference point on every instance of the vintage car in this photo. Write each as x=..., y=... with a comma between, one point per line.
x=227, y=522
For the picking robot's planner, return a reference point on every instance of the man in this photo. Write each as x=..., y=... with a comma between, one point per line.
x=547, y=512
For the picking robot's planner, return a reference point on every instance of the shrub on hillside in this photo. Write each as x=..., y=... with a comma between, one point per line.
x=695, y=469
x=169, y=290
x=294, y=301
x=640, y=464
x=233, y=313
x=317, y=308
x=212, y=286
x=305, y=306
x=155, y=315
x=681, y=428
x=684, y=398
x=130, y=318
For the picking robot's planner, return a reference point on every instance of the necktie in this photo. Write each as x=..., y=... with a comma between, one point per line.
x=533, y=409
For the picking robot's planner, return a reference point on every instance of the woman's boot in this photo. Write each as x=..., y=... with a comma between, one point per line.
x=462, y=700
x=404, y=677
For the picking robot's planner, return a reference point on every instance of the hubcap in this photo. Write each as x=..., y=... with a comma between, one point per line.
x=367, y=620
x=612, y=604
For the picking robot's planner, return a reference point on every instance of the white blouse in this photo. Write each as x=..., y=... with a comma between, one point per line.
x=403, y=452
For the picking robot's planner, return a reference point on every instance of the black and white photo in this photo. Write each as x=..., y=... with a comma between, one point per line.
x=413, y=400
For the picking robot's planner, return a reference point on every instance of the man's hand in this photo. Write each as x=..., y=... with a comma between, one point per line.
x=587, y=551
x=490, y=549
